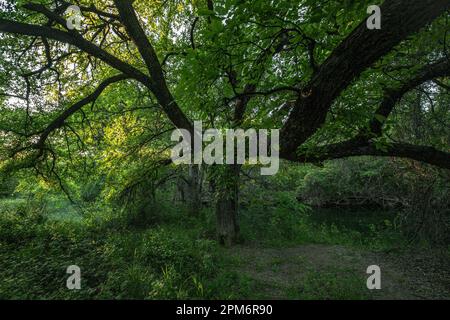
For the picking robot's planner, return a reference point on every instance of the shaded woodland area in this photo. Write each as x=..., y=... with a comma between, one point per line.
x=86, y=176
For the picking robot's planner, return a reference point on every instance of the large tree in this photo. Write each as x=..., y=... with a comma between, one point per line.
x=293, y=65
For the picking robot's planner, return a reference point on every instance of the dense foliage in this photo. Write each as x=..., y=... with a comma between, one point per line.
x=86, y=118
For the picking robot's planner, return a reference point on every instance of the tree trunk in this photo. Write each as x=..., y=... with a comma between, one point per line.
x=227, y=206
x=194, y=195
x=190, y=189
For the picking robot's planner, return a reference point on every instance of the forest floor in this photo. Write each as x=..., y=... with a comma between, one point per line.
x=338, y=272
x=151, y=263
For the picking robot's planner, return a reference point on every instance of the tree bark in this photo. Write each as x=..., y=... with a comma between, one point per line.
x=190, y=190
x=360, y=50
x=227, y=207
x=194, y=190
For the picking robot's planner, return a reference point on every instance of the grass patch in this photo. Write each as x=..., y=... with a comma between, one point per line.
x=162, y=262
x=333, y=283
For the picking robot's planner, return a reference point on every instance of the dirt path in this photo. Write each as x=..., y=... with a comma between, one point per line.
x=337, y=272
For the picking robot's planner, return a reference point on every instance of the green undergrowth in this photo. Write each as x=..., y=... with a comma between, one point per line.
x=159, y=262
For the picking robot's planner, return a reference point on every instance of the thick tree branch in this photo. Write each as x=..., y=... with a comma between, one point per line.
x=355, y=147
x=7, y=26
x=130, y=21
x=356, y=53
x=158, y=85
x=362, y=145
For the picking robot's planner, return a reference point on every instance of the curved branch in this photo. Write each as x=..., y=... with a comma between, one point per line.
x=353, y=56
x=59, y=121
x=159, y=86
x=356, y=147
x=192, y=33
x=130, y=21
x=361, y=144
x=392, y=96
x=8, y=26
x=155, y=83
